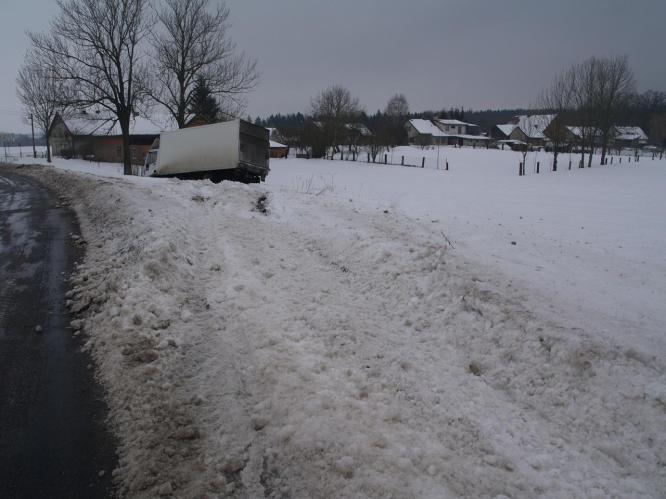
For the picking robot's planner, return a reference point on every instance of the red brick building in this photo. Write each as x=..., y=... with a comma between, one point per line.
x=97, y=138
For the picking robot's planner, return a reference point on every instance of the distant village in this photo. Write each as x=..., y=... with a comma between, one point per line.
x=522, y=132
x=98, y=138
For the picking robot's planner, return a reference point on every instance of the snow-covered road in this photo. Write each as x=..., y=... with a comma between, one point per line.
x=330, y=348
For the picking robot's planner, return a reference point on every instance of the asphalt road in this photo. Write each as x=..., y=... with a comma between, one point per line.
x=53, y=440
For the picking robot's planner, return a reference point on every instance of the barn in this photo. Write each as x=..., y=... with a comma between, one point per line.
x=97, y=137
x=278, y=150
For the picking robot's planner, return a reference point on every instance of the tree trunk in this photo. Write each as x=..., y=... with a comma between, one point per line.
x=604, y=147
x=554, y=158
x=127, y=155
x=48, y=148
x=589, y=157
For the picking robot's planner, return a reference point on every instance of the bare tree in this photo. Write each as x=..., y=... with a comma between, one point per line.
x=191, y=42
x=397, y=106
x=583, y=79
x=94, y=46
x=558, y=99
x=602, y=87
x=333, y=108
x=614, y=85
x=42, y=97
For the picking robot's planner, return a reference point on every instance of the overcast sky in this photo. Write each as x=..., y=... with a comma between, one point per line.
x=439, y=53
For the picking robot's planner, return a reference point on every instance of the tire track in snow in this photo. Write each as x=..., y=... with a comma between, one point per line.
x=314, y=317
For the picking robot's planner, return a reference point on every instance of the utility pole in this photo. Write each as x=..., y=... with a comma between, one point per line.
x=32, y=125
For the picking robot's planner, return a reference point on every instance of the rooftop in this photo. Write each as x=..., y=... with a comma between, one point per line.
x=630, y=133
x=454, y=122
x=534, y=126
x=105, y=124
x=427, y=127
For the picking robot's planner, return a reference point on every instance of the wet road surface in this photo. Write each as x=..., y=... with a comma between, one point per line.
x=53, y=441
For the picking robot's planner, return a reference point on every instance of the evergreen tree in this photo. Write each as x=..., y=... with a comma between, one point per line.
x=203, y=104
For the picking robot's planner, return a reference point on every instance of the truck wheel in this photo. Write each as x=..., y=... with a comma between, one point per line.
x=216, y=178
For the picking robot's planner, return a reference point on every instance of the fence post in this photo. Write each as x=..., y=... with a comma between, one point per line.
x=620, y=159
x=629, y=159
x=402, y=161
x=386, y=159
x=538, y=164
x=569, y=164
x=520, y=169
x=423, y=162
x=368, y=157
x=611, y=160
x=447, y=165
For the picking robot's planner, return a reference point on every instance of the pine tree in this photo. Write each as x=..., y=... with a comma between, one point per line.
x=203, y=104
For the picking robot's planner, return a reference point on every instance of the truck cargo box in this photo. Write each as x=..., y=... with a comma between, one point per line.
x=233, y=149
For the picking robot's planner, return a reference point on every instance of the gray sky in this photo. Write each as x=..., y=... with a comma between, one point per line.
x=440, y=53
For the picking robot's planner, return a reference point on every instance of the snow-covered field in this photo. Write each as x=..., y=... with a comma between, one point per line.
x=591, y=239
x=19, y=153
x=375, y=333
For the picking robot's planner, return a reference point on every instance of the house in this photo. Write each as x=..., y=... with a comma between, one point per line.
x=531, y=129
x=621, y=136
x=278, y=150
x=427, y=133
x=196, y=120
x=629, y=136
x=576, y=135
x=502, y=132
x=457, y=127
x=97, y=136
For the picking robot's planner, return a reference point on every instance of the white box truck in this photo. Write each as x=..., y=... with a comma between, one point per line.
x=233, y=150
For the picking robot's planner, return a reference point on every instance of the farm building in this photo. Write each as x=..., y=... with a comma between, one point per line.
x=457, y=127
x=425, y=133
x=576, y=135
x=531, y=129
x=629, y=136
x=422, y=132
x=98, y=138
x=278, y=150
x=502, y=132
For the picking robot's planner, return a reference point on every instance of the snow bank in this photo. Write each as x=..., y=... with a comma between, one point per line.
x=334, y=347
